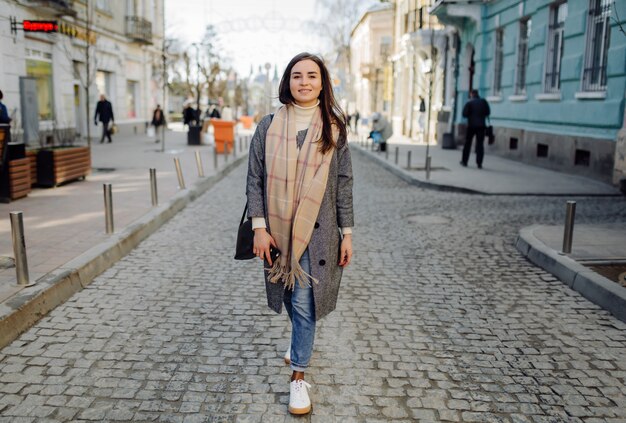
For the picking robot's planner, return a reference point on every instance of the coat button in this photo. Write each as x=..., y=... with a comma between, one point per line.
x=322, y=262
x=317, y=225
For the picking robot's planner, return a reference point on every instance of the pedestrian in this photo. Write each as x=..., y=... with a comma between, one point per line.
x=299, y=193
x=189, y=114
x=381, y=131
x=215, y=113
x=476, y=111
x=158, y=120
x=4, y=113
x=104, y=113
x=357, y=116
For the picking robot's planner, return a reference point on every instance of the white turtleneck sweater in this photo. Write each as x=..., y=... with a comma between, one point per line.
x=304, y=115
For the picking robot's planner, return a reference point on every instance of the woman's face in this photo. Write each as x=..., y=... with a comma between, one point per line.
x=305, y=83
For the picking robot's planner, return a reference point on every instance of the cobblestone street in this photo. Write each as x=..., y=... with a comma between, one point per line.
x=439, y=319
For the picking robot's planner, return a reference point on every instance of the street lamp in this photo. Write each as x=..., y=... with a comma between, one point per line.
x=268, y=66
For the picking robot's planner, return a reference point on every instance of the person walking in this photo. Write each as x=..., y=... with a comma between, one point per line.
x=104, y=113
x=299, y=190
x=4, y=113
x=158, y=120
x=357, y=116
x=476, y=110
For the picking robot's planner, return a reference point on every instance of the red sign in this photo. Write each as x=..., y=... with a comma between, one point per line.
x=40, y=26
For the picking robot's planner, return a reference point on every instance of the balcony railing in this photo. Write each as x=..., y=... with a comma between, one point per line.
x=139, y=29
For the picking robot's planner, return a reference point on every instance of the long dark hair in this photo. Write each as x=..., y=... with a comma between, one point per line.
x=331, y=112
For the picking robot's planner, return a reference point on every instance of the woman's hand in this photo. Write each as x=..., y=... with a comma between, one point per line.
x=262, y=242
x=345, y=252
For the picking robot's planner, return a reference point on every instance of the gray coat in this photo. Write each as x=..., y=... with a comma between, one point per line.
x=335, y=212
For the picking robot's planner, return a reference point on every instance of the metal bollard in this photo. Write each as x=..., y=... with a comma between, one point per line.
x=408, y=160
x=234, y=148
x=214, y=159
x=179, y=173
x=153, y=187
x=199, y=165
x=428, y=158
x=19, y=248
x=396, y=156
x=226, y=154
x=387, y=153
x=108, y=208
x=568, y=233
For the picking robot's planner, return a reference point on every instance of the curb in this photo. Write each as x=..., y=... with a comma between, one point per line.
x=407, y=177
x=24, y=309
x=411, y=179
x=596, y=288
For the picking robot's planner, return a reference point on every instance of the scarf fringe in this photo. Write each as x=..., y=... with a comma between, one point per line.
x=278, y=273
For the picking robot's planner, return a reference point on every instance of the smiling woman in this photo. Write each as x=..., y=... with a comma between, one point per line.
x=300, y=201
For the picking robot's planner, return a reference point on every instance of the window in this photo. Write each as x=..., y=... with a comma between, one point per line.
x=131, y=99
x=104, y=6
x=596, y=52
x=552, y=81
x=522, y=56
x=42, y=72
x=103, y=83
x=497, y=62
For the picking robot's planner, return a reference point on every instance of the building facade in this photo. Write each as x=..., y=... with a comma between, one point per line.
x=370, y=50
x=52, y=81
x=555, y=76
x=421, y=94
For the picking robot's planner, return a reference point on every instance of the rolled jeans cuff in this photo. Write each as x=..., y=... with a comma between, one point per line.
x=298, y=368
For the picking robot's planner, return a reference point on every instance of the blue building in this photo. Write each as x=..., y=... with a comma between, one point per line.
x=554, y=73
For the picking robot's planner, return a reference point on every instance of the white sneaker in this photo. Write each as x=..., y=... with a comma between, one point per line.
x=288, y=356
x=299, y=402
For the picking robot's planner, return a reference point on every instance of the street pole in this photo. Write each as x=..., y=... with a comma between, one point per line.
x=164, y=108
x=431, y=81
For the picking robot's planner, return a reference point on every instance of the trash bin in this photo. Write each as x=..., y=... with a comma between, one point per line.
x=193, y=135
x=224, y=134
x=448, y=142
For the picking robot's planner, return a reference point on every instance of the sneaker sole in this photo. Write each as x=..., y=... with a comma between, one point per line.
x=300, y=411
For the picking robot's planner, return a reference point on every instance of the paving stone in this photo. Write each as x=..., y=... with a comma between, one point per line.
x=437, y=322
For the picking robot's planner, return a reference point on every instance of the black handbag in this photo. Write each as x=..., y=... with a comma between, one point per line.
x=245, y=238
x=491, y=138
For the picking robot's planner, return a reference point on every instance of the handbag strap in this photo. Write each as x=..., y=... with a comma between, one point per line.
x=243, y=216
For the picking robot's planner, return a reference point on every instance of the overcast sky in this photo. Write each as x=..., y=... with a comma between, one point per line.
x=251, y=31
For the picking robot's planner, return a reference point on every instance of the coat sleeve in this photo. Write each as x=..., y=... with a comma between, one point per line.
x=345, y=214
x=255, y=186
x=466, y=110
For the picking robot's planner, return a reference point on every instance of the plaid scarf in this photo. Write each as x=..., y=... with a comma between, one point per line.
x=296, y=182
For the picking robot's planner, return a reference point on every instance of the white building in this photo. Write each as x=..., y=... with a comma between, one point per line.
x=125, y=62
x=370, y=48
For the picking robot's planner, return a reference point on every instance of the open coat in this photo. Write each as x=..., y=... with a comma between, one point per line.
x=335, y=212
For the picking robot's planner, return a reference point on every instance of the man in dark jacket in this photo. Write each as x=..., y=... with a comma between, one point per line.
x=476, y=111
x=4, y=113
x=104, y=110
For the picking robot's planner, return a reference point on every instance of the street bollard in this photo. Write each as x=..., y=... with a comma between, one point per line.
x=215, y=159
x=179, y=173
x=428, y=158
x=396, y=156
x=226, y=154
x=199, y=165
x=234, y=148
x=108, y=208
x=568, y=233
x=153, y=188
x=408, y=160
x=19, y=248
x=387, y=153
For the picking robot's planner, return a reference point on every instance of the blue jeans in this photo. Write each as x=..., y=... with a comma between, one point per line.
x=301, y=309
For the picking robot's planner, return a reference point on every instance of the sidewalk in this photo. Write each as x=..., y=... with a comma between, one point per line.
x=597, y=265
x=63, y=224
x=499, y=176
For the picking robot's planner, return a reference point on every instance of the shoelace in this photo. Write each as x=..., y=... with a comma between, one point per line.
x=300, y=384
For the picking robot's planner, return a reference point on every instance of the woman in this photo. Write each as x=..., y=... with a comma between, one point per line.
x=158, y=119
x=300, y=200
